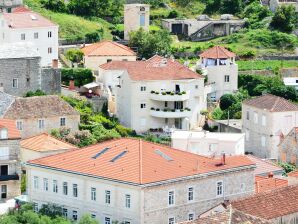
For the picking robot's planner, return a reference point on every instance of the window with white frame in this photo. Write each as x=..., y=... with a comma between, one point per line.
x=65, y=188
x=190, y=194
x=108, y=220
x=247, y=135
x=65, y=212
x=255, y=117
x=93, y=194
x=143, y=88
x=3, y=133
x=55, y=186
x=23, y=36
x=171, y=198
x=171, y=220
x=36, y=182
x=108, y=197
x=41, y=123
x=15, y=83
x=75, y=190
x=20, y=125
x=75, y=215
x=263, y=120
x=49, y=34
x=263, y=141
x=45, y=184
x=62, y=121
x=127, y=201
x=227, y=78
x=191, y=216
x=143, y=105
x=219, y=188
x=36, y=35
x=50, y=50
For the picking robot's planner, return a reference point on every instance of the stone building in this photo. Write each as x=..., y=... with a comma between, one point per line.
x=266, y=119
x=136, y=16
x=10, y=164
x=28, y=75
x=288, y=147
x=274, y=4
x=120, y=180
x=9, y=5
x=35, y=115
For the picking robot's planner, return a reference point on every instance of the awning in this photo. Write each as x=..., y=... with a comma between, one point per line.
x=91, y=85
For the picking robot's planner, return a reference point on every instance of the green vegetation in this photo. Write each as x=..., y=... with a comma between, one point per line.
x=36, y=93
x=266, y=64
x=284, y=19
x=74, y=55
x=81, y=76
x=288, y=167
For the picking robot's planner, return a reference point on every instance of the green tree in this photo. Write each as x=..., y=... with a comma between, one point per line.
x=217, y=114
x=226, y=101
x=231, y=6
x=284, y=19
x=54, y=5
x=255, y=13
x=86, y=219
x=74, y=55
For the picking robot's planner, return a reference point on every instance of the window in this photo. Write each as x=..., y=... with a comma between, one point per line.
x=107, y=220
x=74, y=215
x=171, y=220
x=142, y=19
x=65, y=212
x=143, y=105
x=35, y=35
x=15, y=83
x=23, y=36
x=127, y=201
x=263, y=141
x=55, y=186
x=93, y=216
x=93, y=194
x=62, y=121
x=108, y=197
x=35, y=180
x=75, y=190
x=41, y=124
x=143, y=88
x=20, y=125
x=3, y=191
x=264, y=120
x=242, y=187
x=255, y=117
x=65, y=189
x=49, y=34
x=35, y=207
x=196, y=86
x=190, y=216
x=3, y=133
x=219, y=188
x=171, y=197
x=247, y=135
x=45, y=184
x=227, y=78
x=190, y=194
x=166, y=103
x=50, y=50
x=247, y=115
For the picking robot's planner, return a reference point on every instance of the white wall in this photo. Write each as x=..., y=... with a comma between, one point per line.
x=93, y=62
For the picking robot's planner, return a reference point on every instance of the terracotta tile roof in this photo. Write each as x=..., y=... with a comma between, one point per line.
x=39, y=107
x=107, y=48
x=45, y=142
x=264, y=167
x=26, y=20
x=10, y=125
x=21, y=9
x=293, y=173
x=272, y=103
x=155, y=68
x=229, y=216
x=270, y=204
x=217, y=52
x=263, y=184
x=139, y=162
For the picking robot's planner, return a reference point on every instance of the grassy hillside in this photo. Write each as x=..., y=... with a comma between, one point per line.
x=72, y=27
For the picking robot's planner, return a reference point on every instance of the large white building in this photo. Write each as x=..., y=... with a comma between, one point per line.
x=31, y=27
x=136, y=182
x=265, y=120
x=222, y=71
x=208, y=143
x=156, y=93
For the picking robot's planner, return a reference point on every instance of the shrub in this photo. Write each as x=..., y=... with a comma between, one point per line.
x=123, y=131
x=74, y=55
x=226, y=101
x=36, y=93
x=81, y=76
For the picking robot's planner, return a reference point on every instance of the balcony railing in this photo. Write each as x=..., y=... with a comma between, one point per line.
x=170, y=113
x=8, y=157
x=9, y=177
x=170, y=96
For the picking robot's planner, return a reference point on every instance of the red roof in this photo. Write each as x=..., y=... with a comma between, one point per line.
x=155, y=68
x=26, y=20
x=264, y=167
x=217, y=52
x=263, y=184
x=272, y=103
x=137, y=162
x=107, y=48
x=10, y=125
x=293, y=173
x=270, y=204
x=21, y=9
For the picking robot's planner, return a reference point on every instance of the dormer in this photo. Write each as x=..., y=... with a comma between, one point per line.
x=217, y=56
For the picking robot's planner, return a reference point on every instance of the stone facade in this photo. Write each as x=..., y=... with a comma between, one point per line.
x=288, y=148
x=51, y=80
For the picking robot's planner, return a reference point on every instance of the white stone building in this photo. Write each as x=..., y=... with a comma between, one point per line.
x=291, y=81
x=137, y=182
x=157, y=93
x=31, y=27
x=221, y=69
x=265, y=120
x=208, y=143
x=136, y=16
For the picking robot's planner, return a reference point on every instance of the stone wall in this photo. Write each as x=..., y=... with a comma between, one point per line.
x=51, y=80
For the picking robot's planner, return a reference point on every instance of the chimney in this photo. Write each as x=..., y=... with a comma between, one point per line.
x=223, y=159
x=270, y=175
x=55, y=63
x=71, y=85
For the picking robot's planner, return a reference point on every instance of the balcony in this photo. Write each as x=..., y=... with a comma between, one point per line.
x=167, y=113
x=9, y=177
x=170, y=96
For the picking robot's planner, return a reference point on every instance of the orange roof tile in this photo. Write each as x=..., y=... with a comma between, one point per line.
x=45, y=142
x=137, y=162
x=155, y=68
x=26, y=20
x=263, y=184
x=270, y=204
x=10, y=125
x=107, y=48
x=217, y=52
x=21, y=9
x=264, y=167
x=293, y=173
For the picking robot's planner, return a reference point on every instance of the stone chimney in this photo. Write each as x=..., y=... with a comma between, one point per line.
x=270, y=175
x=223, y=159
x=55, y=63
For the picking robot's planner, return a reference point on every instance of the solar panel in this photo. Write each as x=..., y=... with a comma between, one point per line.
x=163, y=155
x=118, y=156
x=100, y=153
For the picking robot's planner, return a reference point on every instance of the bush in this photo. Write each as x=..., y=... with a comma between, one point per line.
x=81, y=76
x=226, y=101
x=74, y=55
x=93, y=36
x=36, y=93
x=54, y=5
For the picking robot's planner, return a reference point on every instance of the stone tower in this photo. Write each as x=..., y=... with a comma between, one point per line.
x=8, y=5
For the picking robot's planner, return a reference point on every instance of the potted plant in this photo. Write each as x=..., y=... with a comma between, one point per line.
x=180, y=94
x=156, y=93
x=152, y=91
x=152, y=108
x=157, y=109
x=172, y=94
x=164, y=93
x=183, y=92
